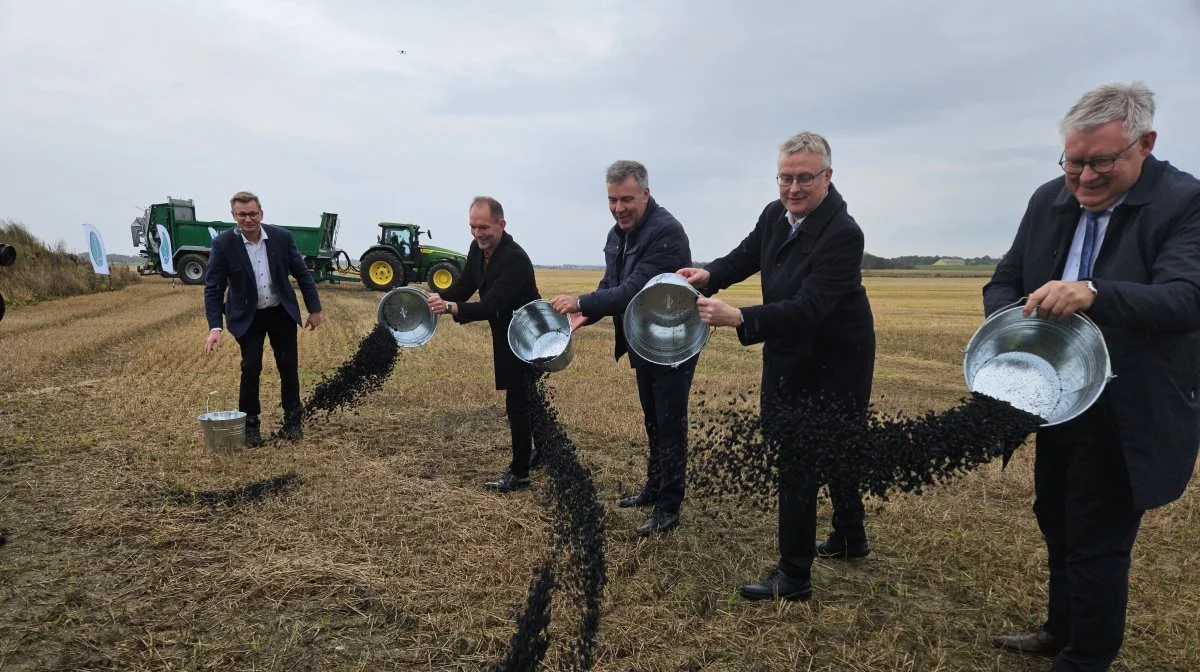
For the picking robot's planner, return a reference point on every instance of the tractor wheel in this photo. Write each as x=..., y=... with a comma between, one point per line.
x=382, y=271
x=442, y=275
x=191, y=268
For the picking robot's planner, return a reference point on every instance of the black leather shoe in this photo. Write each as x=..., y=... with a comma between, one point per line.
x=658, y=522
x=839, y=548
x=292, y=429
x=1038, y=643
x=778, y=585
x=292, y=432
x=641, y=499
x=253, y=438
x=508, y=483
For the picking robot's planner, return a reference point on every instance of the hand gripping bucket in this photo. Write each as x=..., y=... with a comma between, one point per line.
x=1055, y=369
x=224, y=430
x=541, y=336
x=405, y=312
x=662, y=324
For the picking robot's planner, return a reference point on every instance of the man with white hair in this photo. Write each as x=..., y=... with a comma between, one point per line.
x=1116, y=238
x=818, y=336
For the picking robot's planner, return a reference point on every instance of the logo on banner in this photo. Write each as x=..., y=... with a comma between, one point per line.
x=96, y=253
x=165, y=257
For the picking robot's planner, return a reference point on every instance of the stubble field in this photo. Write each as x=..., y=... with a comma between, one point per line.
x=386, y=553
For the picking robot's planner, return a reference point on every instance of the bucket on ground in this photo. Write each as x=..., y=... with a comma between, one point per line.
x=405, y=312
x=541, y=336
x=1055, y=369
x=224, y=430
x=662, y=323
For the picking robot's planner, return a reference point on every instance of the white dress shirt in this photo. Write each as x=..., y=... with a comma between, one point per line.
x=262, y=269
x=1075, y=254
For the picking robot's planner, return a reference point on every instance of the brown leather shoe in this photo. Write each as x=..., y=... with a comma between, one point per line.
x=1037, y=643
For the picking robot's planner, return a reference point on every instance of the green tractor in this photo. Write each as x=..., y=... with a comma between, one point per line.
x=399, y=259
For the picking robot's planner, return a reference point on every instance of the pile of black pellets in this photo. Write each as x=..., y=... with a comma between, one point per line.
x=575, y=563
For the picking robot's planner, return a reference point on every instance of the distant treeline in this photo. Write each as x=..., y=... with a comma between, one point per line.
x=872, y=262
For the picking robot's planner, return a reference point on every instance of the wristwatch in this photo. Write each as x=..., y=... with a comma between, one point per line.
x=450, y=307
x=1091, y=287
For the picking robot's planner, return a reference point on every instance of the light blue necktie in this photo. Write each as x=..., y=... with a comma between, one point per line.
x=1092, y=220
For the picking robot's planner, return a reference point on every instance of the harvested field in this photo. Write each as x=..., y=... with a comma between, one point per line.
x=371, y=544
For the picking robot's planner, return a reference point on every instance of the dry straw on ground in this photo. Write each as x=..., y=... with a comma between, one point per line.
x=389, y=555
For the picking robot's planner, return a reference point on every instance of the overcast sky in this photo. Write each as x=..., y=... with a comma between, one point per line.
x=942, y=119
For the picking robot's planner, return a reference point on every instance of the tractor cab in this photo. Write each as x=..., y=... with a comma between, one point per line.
x=403, y=238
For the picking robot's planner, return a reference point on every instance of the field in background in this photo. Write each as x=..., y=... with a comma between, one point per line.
x=390, y=555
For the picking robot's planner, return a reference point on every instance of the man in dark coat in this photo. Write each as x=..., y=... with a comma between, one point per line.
x=498, y=268
x=819, y=346
x=252, y=261
x=1116, y=238
x=645, y=241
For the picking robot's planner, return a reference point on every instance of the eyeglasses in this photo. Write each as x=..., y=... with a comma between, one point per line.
x=802, y=180
x=1100, y=165
x=248, y=214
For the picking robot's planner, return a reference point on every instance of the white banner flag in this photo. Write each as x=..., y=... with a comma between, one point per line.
x=96, y=252
x=212, y=232
x=166, y=258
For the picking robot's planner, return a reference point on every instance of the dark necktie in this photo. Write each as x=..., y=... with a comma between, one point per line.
x=1091, y=222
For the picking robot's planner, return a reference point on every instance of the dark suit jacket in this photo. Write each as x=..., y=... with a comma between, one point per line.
x=1147, y=276
x=506, y=284
x=815, y=320
x=655, y=244
x=229, y=267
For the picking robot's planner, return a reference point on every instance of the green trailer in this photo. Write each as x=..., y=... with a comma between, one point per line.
x=191, y=240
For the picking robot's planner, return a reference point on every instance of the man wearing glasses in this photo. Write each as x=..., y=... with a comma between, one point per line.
x=819, y=346
x=253, y=261
x=1118, y=239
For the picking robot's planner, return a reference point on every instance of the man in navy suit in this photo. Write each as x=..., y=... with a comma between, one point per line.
x=1117, y=238
x=253, y=261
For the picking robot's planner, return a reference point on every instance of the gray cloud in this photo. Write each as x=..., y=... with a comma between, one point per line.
x=942, y=118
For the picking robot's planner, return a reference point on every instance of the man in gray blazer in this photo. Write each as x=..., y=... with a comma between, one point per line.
x=1116, y=238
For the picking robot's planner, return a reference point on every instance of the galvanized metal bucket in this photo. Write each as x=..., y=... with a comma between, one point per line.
x=662, y=324
x=541, y=336
x=224, y=430
x=405, y=312
x=1055, y=369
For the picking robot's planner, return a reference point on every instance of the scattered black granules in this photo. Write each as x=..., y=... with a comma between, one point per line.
x=364, y=372
x=249, y=492
x=529, y=643
x=576, y=545
x=3, y=536
x=821, y=442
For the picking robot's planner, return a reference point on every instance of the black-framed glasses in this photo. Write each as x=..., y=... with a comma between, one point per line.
x=1099, y=165
x=249, y=214
x=802, y=180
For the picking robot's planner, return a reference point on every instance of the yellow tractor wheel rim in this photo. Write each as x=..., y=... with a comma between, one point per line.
x=442, y=278
x=381, y=272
